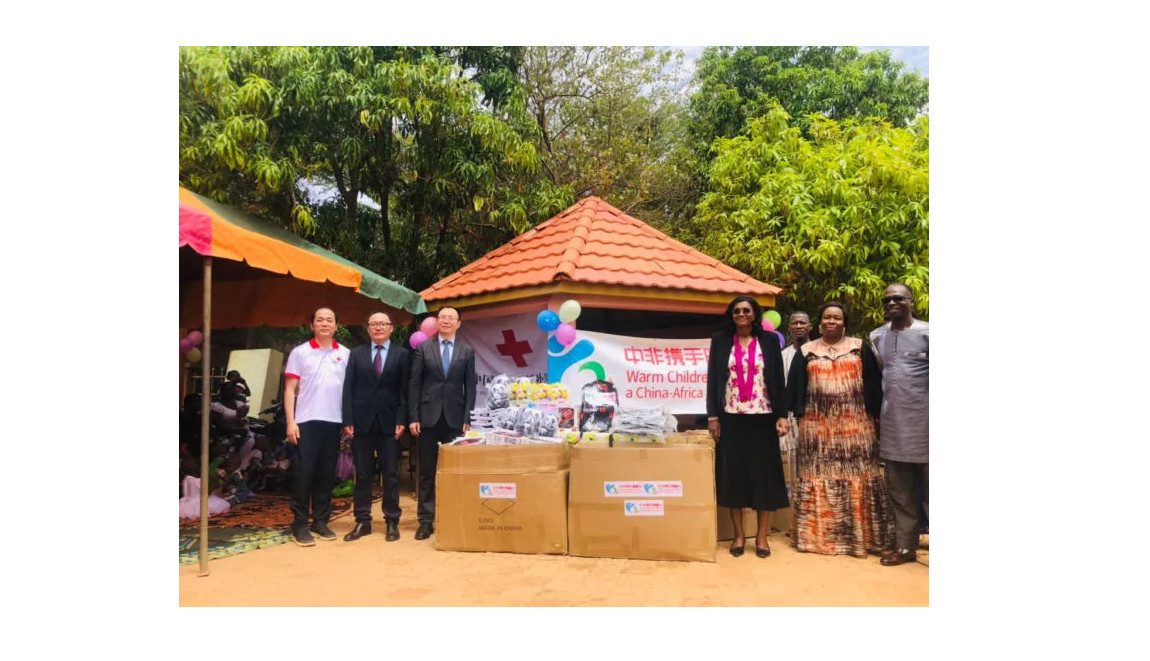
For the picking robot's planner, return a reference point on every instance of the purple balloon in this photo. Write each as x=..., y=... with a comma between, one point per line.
x=782, y=340
x=565, y=333
x=417, y=338
x=429, y=326
x=185, y=344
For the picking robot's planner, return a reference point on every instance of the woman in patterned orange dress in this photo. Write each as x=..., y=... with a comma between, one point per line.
x=841, y=504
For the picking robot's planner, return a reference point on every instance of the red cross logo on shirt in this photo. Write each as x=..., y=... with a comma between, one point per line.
x=514, y=348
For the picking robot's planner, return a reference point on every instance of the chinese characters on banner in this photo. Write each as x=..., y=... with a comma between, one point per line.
x=647, y=372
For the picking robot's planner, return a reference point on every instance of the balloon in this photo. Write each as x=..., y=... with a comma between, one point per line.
x=565, y=333
x=194, y=355
x=196, y=337
x=417, y=338
x=782, y=340
x=768, y=325
x=570, y=310
x=774, y=317
x=185, y=345
x=548, y=321
x=429, y=326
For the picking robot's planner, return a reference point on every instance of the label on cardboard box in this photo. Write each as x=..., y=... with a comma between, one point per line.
x=497, y=490
x=643, y=508
x=664, y=488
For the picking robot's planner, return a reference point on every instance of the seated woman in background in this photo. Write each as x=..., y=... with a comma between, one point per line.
x=841, y=504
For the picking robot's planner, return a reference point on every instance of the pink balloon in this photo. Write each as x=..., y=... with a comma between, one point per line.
x=768, y=325
x=196, y=337
x=417, y=338
x=565, y=333
x=185, y=344
x=429, y=326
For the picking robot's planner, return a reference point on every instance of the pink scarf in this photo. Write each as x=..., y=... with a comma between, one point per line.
x=745, y=377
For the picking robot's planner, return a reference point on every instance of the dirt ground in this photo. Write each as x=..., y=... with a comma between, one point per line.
x=372, y=572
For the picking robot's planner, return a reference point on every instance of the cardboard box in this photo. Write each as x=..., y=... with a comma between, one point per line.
x=691, y=438
x=502, y=498
x=750, y=523
x=651, y=503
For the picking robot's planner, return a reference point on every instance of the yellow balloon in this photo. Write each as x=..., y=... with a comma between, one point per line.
x=194, y=355
x=570, y=310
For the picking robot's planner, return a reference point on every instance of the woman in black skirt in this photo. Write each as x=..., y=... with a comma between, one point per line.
x=746, y=414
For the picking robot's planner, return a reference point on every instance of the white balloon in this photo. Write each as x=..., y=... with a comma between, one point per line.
x=570, y=310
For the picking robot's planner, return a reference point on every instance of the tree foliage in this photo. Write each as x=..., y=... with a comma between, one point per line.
x=429, y=150
x=803, y=166
x=837, y=215
x=609, y=119
x=738, y=84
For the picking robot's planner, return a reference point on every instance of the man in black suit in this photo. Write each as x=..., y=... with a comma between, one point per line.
x=375, y=413
x=441, y=395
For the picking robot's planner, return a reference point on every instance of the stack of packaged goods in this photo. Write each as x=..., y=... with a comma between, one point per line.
x=519, y=412
x=642, y=425
x=597, y=408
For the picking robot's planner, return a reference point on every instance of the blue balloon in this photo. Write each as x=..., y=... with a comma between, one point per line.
x=548, y=321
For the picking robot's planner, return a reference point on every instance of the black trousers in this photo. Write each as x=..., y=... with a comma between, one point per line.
x=314, y=472
x=909, y=485
x=429, y=441
x=376, y=451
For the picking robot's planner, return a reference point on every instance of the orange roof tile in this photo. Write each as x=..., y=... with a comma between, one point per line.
x=594, y=243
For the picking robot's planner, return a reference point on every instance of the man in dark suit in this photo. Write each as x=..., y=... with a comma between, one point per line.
x=441, y=395
x=375, y=413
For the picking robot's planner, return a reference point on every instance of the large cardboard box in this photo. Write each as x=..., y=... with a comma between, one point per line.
x=510, y=498
x=750, y=523
x=652, y=503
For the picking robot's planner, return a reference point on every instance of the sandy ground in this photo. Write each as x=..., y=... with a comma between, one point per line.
x=372, y=572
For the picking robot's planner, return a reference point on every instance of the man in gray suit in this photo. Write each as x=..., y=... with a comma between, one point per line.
x=441, y=395
x=902, y=347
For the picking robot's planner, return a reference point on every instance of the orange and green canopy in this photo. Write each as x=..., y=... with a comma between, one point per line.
x=281, y=278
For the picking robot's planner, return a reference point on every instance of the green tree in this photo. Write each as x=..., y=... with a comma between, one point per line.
x=837, y=215
x=737, y=84
x=429, y=150
x=609, y=119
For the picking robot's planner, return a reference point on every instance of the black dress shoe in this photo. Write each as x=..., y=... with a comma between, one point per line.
x=763, y=552
x=898, y=557
x=358, y=531
x=424, y=531
x=738, y=550
x=392, y=533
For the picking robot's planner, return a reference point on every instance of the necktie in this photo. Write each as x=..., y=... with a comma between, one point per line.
x=446, y=356
x=378, y=359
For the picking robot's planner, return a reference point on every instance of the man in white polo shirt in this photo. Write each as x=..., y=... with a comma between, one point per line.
x=313, y=396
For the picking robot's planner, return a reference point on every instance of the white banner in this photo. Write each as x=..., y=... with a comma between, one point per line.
x=511, y=345
x=647, y=372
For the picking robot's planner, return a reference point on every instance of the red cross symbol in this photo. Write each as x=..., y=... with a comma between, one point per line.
x=514, y=348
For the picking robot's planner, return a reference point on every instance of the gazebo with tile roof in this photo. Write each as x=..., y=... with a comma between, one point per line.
x=603, y=258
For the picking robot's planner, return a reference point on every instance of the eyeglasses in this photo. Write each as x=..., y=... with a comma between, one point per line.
x=744, y=311
x=379, y=324
x=892, y=299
